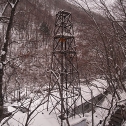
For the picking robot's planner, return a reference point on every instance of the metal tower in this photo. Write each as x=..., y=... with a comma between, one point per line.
x=64, y=90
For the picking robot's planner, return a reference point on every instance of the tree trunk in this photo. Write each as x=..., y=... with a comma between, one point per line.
x=5, y=49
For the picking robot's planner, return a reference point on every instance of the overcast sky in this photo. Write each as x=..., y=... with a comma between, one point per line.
x=93, y=6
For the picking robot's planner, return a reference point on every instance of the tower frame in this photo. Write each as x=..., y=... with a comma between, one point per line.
x=64, y=87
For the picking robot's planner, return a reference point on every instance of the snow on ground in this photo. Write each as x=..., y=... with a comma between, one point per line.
x=41, y=119
x=97, y=87
x=77, y=120
x=101, y=113
x=41, y=116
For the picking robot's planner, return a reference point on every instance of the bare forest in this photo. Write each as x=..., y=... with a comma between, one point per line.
x=28, y=32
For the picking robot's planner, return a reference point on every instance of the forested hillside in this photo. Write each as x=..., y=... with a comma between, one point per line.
x=26, y=38
x=32, y=37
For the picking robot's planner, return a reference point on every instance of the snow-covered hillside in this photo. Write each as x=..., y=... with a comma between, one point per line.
x=41, y=116
x=26, y=48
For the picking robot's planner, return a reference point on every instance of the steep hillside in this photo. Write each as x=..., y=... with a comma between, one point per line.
x=34, y=25
x=84, y=29
x=100, y=45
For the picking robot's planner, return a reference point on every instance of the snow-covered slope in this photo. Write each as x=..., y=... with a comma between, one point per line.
x=41, y=116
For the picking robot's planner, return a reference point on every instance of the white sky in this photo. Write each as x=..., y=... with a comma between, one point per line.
x=93, y=5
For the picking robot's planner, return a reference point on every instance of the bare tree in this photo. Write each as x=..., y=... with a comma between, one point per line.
x=13, y=5
x=107, y=43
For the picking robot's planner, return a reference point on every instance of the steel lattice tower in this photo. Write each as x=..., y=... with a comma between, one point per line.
x=64, y=81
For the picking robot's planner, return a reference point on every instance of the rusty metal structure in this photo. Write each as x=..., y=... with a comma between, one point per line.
x=64, y=87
